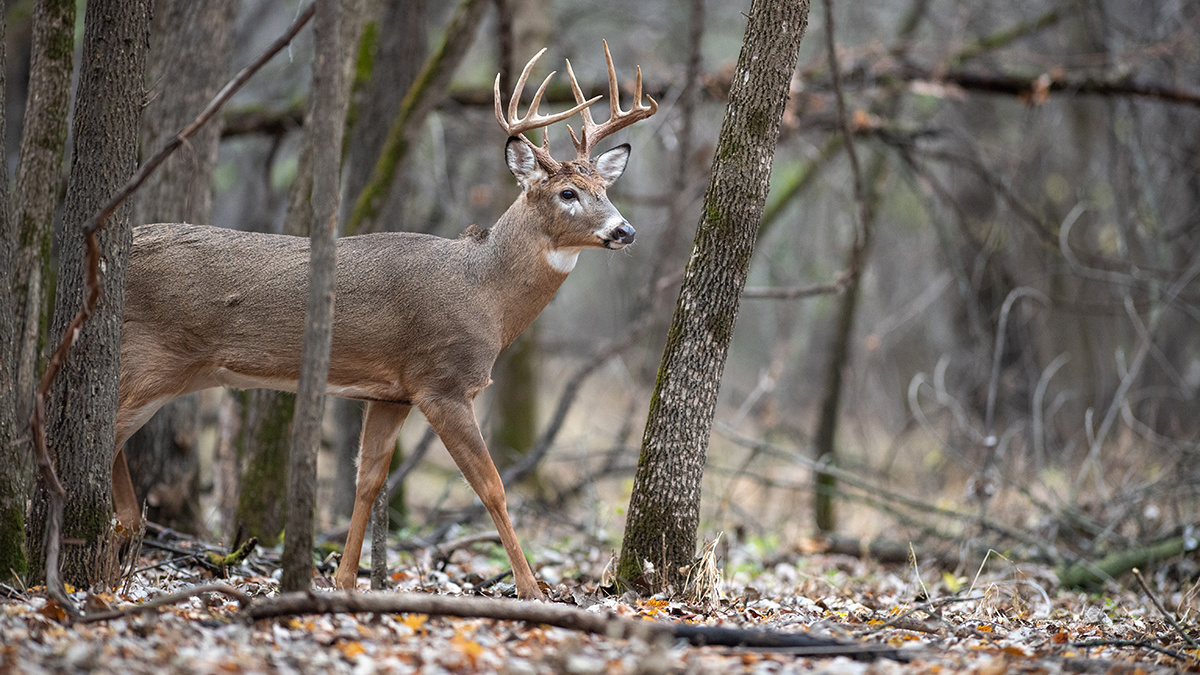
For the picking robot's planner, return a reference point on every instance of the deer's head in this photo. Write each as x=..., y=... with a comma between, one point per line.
x=570, y=196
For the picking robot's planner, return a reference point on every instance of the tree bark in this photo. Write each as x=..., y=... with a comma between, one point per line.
x=664, y=510
x=26, y=274
x=328, y=124
x=39, y=173
x=422, y=97
x=191, y=48
x=262, y=452
x=81, y=408
x=13, y=481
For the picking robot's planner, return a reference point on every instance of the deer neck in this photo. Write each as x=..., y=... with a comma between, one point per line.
x=522, y=270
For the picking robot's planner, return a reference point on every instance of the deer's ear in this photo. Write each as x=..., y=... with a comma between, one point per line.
x=611, y=164
x=522, y=162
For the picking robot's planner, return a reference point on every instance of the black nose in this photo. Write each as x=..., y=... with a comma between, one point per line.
x=624, y=233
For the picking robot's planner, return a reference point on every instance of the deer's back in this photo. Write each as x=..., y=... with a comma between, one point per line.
x=231, y=305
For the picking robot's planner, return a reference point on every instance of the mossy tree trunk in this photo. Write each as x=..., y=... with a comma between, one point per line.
x=82, y=403
x=25, y=275
x=262, y=450
x=39, y=174
x=13, y=480
x=190, y=55
x=664, y=510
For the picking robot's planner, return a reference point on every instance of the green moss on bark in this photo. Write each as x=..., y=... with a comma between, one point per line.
x=13, y=564
x=263, y=449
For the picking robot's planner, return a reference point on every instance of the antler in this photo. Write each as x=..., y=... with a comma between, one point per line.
x=591, y=133
x=517, y=126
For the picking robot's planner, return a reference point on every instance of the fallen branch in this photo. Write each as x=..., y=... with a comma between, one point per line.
x=562, y=616
x=166, y=600
x=1086, y=574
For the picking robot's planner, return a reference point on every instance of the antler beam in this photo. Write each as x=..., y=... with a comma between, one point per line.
x=591, y=133
x=517, y=126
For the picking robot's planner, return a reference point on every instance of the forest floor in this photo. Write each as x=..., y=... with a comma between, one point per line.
x=996, y=618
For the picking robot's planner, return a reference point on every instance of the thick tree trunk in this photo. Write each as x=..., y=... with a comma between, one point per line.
x=81, y=407
x=191, y=49
x=664, y=510
x=329, y=100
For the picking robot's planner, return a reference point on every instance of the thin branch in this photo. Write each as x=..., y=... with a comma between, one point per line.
x=1137, y=573
x=860, y=191
x=794, y=292
x=1037, y=87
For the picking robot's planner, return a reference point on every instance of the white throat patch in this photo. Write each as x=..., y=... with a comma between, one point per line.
x=562, y=259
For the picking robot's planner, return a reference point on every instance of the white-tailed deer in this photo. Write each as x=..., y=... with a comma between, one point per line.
x=418, y=320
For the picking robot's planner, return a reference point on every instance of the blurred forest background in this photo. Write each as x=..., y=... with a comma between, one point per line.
x=1004, y=349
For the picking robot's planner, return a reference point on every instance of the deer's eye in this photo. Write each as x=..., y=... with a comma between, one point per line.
x=568, y=195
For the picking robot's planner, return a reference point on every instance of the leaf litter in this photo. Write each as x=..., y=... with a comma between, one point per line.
x=1006, y=618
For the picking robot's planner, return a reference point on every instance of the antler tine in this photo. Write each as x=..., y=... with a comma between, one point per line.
x=517, y=126
x=591, y=133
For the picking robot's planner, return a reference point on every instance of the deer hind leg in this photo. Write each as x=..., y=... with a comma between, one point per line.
x=381, y=425
x=454, y=422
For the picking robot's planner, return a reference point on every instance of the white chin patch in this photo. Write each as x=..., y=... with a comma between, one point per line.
x=562, y=259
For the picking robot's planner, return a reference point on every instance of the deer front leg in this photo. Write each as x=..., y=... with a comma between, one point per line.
x=454, y=422
x=381, y=425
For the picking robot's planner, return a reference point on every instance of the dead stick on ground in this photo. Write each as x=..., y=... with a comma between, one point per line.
x=56, y=493
x=562, y=616
x=1163, y=610
x=174, y=598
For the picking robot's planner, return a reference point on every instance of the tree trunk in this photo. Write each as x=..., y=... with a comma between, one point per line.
x=191, y=48
x=82, y=404
x=664, y=510
x=13, y=480
x=27, y=259
x=329, y=99
x=262, y=464
x=39, y=173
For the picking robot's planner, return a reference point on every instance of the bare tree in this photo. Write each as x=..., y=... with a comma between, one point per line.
x=664, y=509
x=81, y=410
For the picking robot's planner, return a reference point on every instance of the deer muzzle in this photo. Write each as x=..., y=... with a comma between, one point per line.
x=621, y=235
